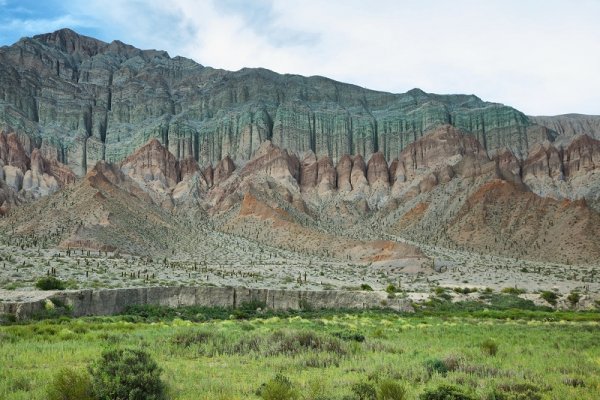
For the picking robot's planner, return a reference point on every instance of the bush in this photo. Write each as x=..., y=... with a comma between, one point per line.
x=50, y=283
x=436, y=366
x=70, y=384
x=364, y=391
x=574, y=298
x=445, y=392
x=278, y=388
x=390, y=390
x=127, y=374
x=489, y=347
x=513, y=290
x=366, y=287
x=391, y=289
x=549, y=296
x=516, y=391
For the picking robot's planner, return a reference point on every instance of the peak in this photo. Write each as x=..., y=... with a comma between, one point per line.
x=71, y=42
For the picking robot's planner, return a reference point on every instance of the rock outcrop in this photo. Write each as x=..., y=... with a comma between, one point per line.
x=108, y=98
x=570, y=125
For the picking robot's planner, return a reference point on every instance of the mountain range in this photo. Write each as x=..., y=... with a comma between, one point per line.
x=105, y=146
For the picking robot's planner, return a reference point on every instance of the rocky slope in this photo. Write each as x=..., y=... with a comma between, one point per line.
x=444, y=189
x=570, y=125
x=80, y=100
x=180, y=158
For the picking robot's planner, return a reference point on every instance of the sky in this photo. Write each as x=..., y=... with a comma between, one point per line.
x=539, y=56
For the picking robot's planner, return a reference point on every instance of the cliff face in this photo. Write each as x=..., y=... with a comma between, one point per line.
x=569, y=125
x=80, y=100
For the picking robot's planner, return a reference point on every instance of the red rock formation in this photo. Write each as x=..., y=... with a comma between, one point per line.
x=377, y=170
x=581, y=156
x=358, y=176
x=344, y=169
x=152, y=162
x=544, y=160
x=188, y=167
x=273, y=161
x=326, y=179
x=223, y=170
x=437, y=148
x=309, y=171
x=15, y=154
x=207, y=173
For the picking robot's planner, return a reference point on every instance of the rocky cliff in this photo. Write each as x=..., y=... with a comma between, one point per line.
x=80, y=100
x=569, y=125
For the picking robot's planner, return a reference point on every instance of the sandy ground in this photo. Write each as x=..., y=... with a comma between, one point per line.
x=279, y=269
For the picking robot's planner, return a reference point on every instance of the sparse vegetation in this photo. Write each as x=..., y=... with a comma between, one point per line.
x=321, y=353
x=50, y=283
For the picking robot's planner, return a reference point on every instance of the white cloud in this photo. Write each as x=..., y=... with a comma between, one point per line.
x=539, y=56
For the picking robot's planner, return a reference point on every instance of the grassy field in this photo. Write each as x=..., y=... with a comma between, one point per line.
x=324, y=354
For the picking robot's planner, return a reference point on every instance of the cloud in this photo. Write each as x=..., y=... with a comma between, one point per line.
x=537, y=56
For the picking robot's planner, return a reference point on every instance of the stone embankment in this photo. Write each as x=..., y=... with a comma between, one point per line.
x=114, y=301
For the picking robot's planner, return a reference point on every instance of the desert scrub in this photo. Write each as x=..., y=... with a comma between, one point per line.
x=549, y=296
x=489, y=347
x=127, y=374
x=70, y=384
x=50, y=283
x=446, y=392
x=278, y=388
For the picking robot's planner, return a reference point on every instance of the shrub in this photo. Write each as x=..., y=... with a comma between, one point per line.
x=70, y=384
x=278, y=388
x=350, y=336
x=516, y=391
x=364, y=391
x=391, y=289
x=390, y=390
x=436, y=366
x=50, y=283
x=574, y=298
x=127, y=374
x=445, y=392
x=549, y=296
x=513, y=290
x=489, y=347
x=366, y=287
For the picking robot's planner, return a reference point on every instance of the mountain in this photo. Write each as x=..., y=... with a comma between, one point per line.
x=81, y=100
x=113, y=148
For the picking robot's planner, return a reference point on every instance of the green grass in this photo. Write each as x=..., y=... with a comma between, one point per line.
x=218, y=354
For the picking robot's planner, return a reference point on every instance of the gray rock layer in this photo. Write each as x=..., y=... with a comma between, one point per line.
x=114, y=301
x=81, y=100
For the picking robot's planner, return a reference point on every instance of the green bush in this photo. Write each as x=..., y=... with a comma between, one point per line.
x=390, y=390
x=549, y=296
x=70, y=384
x=445, y=392
x=127, y=374
x=366, y=287
x=278, y=388
x=50, y=283
x=516, y=391
x=513, y=290
x=489, y=347
x=436, y=366
x=364, y=391
x=390, y=289
x=574, y=298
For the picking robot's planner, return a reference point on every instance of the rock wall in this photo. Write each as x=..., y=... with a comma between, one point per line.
x=113, y=301
x=81, y=100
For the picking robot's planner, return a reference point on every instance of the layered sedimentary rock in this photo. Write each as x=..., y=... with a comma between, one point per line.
x=570, y=125
x=27, y=176
x=80, y=100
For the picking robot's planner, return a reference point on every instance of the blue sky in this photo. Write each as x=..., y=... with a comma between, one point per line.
x=540, y=56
